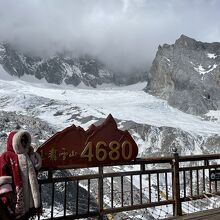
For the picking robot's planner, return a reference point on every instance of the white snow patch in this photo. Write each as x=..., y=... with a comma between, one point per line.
x=214, y=114
x=167, y=59
x=104, y=73
x=77, y=71
x=203, y=71
x=2, y=49
x=110, y=86
x=211, y=55
x=134, y=87
x=68, y=70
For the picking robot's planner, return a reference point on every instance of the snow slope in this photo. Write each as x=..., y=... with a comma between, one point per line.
x=125, y=103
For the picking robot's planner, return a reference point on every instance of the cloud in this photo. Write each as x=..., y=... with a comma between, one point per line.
x=124, y=34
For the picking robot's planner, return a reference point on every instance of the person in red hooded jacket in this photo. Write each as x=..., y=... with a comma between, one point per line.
x=19, y=189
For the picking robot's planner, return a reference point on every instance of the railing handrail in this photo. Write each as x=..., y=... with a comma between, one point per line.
x=172, y=170
x=148, y=160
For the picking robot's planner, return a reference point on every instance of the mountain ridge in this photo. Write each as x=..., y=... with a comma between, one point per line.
x=187, y=75
x=62, y=68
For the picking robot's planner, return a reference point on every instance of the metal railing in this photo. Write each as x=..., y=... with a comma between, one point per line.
x=144, y=184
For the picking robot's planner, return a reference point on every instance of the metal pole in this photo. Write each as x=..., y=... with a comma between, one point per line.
x=100, y=193
x=176, y=185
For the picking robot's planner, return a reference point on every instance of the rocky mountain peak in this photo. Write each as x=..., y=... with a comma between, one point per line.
x=187, y=75
x=185, y=41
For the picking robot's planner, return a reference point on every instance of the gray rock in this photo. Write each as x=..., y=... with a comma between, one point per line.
x=159, y=141
x=187, y=75
x=39, y=130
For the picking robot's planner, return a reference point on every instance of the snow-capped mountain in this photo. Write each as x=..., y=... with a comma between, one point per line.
x=187, y=75
x=62, y=68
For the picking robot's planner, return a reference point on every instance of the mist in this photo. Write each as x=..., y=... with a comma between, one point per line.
x=124, y=34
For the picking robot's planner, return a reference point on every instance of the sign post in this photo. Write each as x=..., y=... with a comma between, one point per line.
x=214, y=175
x=75, y=147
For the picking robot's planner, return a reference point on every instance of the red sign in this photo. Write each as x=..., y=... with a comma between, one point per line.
x=99, y=145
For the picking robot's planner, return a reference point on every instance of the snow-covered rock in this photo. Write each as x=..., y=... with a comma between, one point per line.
x=187, y=75
x=62, y=68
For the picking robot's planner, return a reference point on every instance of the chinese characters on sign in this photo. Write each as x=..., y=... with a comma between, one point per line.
x=53, y=155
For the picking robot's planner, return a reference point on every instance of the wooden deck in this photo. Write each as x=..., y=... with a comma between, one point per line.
x=212, y=214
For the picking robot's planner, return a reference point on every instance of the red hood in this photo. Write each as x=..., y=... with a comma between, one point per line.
x=9, y=141
x=14, y=142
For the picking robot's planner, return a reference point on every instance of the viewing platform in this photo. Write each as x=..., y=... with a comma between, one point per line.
x=164, y=187
x=161, y=187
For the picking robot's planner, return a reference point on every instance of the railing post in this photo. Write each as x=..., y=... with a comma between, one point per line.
x=100, y=199
x=176, y=184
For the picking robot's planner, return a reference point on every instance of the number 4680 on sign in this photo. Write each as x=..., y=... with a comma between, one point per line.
x=114, y=151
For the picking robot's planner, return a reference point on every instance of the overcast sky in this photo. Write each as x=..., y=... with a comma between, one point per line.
x=122, y=33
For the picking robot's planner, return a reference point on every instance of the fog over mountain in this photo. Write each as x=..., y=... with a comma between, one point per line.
x=122, y=33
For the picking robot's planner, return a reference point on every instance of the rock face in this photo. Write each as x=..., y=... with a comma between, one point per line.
x=39, y=130
x=61, y=68
x=156, y=141
x=187, y=75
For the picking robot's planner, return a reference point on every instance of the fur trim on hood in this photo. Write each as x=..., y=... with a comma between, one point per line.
x=14, y=142
x=36, y=160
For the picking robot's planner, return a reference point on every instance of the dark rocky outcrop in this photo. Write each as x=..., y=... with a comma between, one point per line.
x=187, y=75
